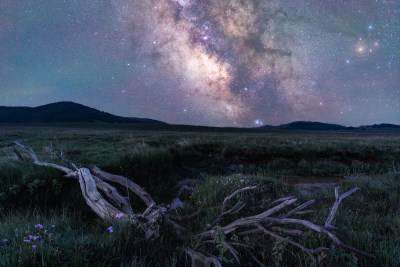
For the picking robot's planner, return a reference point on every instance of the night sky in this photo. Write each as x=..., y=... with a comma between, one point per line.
x=206, y=62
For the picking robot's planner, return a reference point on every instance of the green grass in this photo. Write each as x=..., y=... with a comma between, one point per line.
x=219, y=163
x=368, y=219
x=73, y=242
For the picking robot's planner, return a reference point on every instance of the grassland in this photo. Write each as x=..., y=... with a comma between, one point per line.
x=219, y=161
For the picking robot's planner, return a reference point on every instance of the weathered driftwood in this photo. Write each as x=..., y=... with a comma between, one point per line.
x=336, y=205
x=267, y=223
x=92, y=179
x=124, y=182
x=93, y=198
x=206, y=261
x=236, y=208
x=13, y=149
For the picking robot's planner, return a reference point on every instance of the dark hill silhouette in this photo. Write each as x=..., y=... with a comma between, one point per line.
x=64, y=112
x=320, y=126
x=73, y=112
x=309, y=125
x=382, y=126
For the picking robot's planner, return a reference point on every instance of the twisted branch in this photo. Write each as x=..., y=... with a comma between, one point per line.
x=266, y=223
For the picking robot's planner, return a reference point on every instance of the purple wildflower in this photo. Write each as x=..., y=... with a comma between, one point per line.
x=241, y=180
x=34, y=246
x=110, y=229
x=39, y=225
x=5, y=240
x=119, y=215
x=27, y=240
x=53, y=226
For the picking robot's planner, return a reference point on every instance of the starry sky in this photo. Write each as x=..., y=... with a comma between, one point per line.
x=241, y=63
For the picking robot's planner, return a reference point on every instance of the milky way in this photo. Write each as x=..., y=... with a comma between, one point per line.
x=211, y=62
x=226, y=59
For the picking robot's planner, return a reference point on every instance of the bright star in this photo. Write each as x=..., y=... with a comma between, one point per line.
x=360, y=49
x=258, y=122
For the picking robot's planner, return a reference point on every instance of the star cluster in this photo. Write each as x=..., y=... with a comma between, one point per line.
x=207, y=62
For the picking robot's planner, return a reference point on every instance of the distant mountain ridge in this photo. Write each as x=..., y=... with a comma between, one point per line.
x=64, y=112
x=310, y=125
x=73, y=112
x=381, y=126
x=320, y=126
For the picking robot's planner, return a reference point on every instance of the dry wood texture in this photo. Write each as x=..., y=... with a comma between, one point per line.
x=267, y=223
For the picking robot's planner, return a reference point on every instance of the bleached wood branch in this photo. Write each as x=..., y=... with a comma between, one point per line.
x=248, y=221
x=17, y=153
x=197, y=256
x=135, y=188
x=286, y=231
x=336, y=204
x=42, y=163
x=116, y=198
x=61, y=156
x=297, y=209
x=234, y=194
x=265, y=223
x=270, y=228
x=237, y=207
x=310, y=252
x=89, y=181
x=255, y=259
x=320, y=229
x=185, y=217
x=280, y=200
x=93, y=198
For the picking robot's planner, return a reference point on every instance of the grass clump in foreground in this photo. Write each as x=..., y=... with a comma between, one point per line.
x=74, y=242
x=217, y=165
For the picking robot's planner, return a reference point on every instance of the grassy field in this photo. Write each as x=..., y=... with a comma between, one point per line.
x=218, y=162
